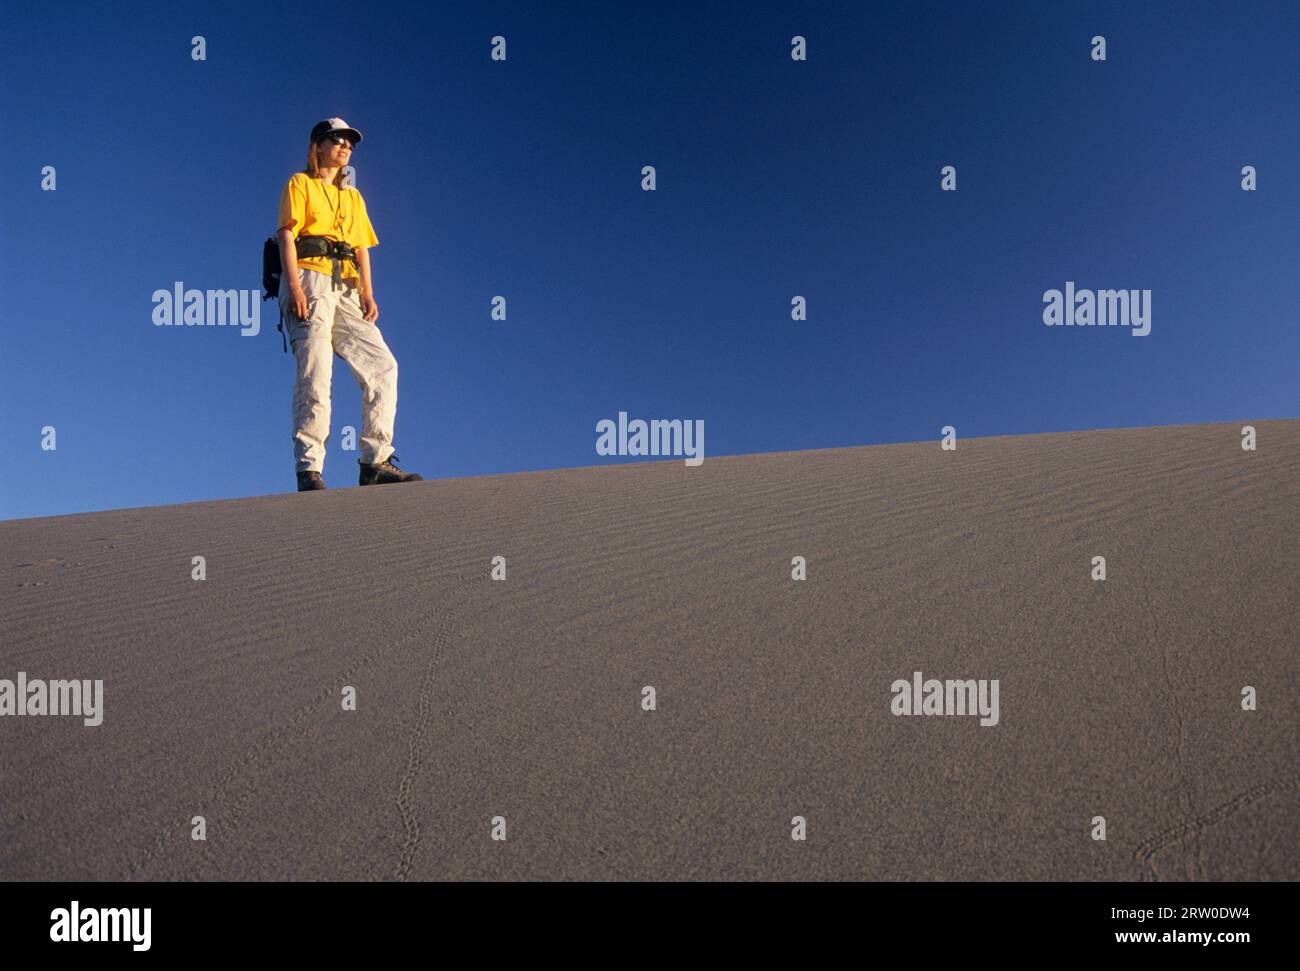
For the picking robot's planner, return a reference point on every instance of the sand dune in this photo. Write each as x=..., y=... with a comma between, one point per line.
x=522, y=698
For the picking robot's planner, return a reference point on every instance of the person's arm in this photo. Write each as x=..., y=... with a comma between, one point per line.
x=369, y=309
x=293, y=216
x=289, y=275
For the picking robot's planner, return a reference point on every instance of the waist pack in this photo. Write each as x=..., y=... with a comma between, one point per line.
x=306, y=247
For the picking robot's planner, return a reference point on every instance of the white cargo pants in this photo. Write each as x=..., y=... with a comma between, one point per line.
x=334, y=324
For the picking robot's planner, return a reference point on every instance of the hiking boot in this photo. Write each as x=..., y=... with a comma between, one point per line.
x=384, y=472
x=310, y=481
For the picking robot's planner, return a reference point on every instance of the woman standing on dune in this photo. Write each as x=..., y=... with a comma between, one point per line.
x=329, y=307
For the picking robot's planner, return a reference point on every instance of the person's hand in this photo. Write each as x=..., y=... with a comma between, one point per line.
x=369, y=309
x=298, y=300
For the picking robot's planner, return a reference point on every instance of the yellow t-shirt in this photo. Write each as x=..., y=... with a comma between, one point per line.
x=311, y=208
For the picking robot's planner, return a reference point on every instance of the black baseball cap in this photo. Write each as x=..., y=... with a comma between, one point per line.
x=332, y=125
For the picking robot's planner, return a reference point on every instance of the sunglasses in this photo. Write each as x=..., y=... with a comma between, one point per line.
x=341, y=140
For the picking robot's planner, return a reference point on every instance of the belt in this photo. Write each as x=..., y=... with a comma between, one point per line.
x=336, y=251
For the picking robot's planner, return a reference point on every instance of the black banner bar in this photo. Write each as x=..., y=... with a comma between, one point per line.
x=330, y=920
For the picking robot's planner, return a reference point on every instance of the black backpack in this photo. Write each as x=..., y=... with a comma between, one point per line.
x=272, y=270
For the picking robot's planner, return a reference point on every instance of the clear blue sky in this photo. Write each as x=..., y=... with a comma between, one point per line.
x=522, y=178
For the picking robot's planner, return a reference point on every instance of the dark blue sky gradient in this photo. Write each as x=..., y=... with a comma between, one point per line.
x=522, y=178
